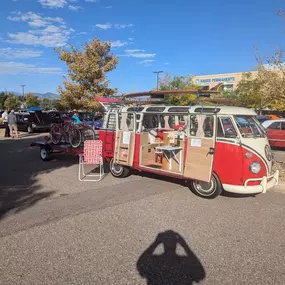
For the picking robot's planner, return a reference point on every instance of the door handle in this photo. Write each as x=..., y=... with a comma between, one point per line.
x=211, y=151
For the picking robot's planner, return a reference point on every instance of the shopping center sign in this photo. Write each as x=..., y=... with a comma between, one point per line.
x=215, y=80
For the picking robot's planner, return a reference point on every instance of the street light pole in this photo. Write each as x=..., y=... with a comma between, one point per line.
x=23, y=91
x=157, y=77
x=23, y=95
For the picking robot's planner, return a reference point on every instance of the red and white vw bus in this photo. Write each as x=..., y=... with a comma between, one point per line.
x=214, y=148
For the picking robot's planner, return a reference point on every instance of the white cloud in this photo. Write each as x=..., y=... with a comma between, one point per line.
x=147, y=61
x=109, y=7
x=141, y=55
x=131, y=39
x=123, y=26
x=34, y=20
x=91, y=1
x=133, y=50
x=104, y=26
x=13, y=68
x=46, y=31
x=273, y=66
x=81, y=33
x=118, y=43
x=166, y=63
x=13, y=53
x=53, y=3
x=75, y=8
x=116, y=26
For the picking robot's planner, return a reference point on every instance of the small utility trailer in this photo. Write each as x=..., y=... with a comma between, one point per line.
x=48, y=149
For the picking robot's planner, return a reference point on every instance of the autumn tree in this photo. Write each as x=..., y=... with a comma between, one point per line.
x=271, y=76
x=32, y=100
x=178, y=83
x=249, y=92
x=87, y=68
x=12, y=102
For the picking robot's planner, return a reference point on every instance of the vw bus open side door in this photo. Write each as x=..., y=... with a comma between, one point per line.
x=125, y=139
x=201, y=146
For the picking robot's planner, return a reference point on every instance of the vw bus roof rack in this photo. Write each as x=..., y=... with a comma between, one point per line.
x=159, y=96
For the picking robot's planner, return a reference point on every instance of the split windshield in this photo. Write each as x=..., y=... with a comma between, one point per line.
x=248, y=126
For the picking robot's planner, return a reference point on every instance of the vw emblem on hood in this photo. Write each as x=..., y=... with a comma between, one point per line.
x=268, y=153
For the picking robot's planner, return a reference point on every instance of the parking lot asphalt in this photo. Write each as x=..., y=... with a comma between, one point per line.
x=138, y=230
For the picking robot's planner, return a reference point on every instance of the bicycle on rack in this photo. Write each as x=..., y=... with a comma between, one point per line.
x=71, y=133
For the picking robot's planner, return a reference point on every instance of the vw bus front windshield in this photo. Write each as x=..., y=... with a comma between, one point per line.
x=249, y=126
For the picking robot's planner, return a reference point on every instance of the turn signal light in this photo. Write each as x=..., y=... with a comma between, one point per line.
x=248, y=155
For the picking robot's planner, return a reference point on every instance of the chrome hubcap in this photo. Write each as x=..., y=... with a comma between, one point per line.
x=116, y=168
x=205, y=188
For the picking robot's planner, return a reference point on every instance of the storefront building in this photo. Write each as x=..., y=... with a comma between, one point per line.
x=223, y=82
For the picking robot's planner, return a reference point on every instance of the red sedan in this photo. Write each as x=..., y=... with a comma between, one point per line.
x=275, y=130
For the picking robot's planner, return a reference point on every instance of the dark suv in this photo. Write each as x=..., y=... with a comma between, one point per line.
x=33, y=121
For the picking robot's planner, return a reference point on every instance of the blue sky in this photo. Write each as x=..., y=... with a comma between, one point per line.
x=180, y=37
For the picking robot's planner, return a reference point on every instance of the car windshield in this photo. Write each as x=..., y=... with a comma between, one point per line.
x=249, y=126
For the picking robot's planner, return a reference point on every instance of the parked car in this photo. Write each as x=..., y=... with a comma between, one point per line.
x=275, y=130
x=262, y=119
x=89, y=119
x=55, y=117
x=33, y=121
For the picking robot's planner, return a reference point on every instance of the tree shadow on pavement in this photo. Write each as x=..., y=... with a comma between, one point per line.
x=170, y=267
x=19, y=169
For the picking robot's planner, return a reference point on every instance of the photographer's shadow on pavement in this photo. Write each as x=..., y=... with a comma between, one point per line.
x=169, y=267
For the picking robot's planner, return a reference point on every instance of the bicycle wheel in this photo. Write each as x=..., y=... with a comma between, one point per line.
x=88, y=133
x=67, y=129
x=55, y=133
x=75, y=137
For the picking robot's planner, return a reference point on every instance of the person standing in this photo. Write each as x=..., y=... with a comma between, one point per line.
x=5, y=121
x=12, y=122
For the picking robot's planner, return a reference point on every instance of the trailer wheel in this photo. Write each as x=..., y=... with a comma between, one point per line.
x=118, y=170
x=207, y=190
x=45, y=154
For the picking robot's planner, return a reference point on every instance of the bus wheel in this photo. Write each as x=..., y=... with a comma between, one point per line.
x=208, y=190
x=118, y=170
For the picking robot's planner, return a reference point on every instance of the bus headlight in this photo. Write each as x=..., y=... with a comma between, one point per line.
x=255, y=167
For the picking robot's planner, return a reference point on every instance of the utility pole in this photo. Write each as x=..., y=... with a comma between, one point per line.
x=23, y=91
x=23, y=95
x=157, y=77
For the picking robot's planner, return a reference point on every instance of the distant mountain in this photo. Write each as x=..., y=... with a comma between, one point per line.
x=48, y=95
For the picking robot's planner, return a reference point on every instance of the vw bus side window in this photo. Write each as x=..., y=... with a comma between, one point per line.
x=202, y=126
x=127, y=122
x=226, y=128
x=150, y=121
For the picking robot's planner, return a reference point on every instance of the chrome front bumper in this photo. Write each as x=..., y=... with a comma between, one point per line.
x=261, y=188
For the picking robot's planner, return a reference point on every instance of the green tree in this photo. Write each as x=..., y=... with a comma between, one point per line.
x=271, y=76
x=12, y=102
x=87, y=68
x=250, y=93
x=3, y=97
x=48, y=104
x=31, y=100
x=178, y=83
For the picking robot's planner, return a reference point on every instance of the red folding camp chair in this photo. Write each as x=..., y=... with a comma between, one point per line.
x=92, y=155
